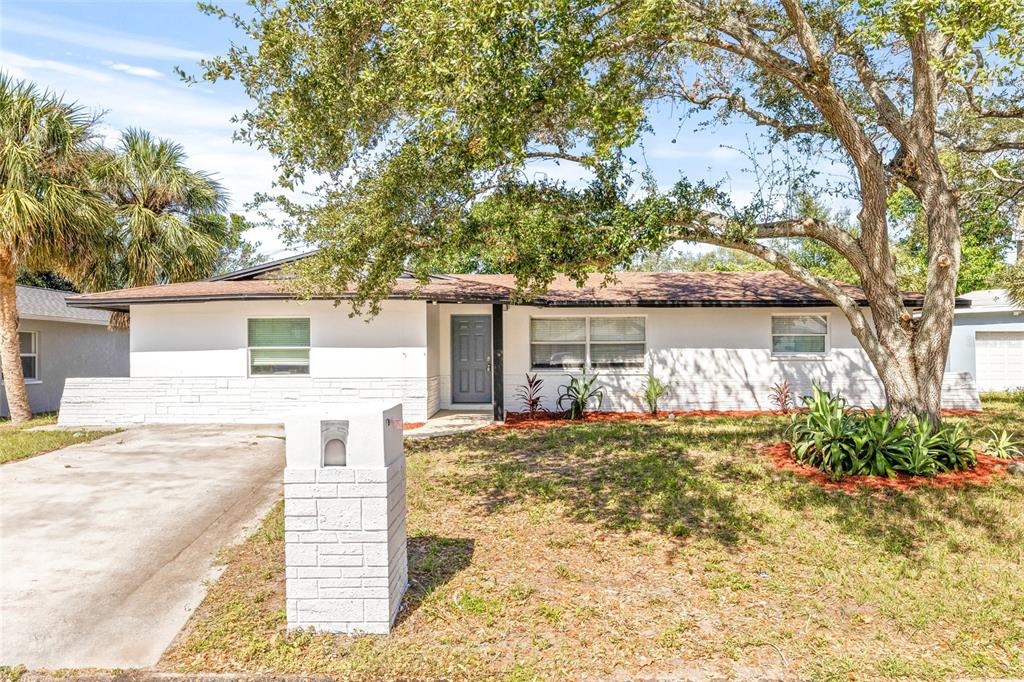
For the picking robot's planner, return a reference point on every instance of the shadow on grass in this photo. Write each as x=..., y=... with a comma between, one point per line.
x=433, y=561
x=699, y=478
x=624, y=476
x=904, y=522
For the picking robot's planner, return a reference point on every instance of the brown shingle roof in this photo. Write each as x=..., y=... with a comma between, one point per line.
x=697, y=289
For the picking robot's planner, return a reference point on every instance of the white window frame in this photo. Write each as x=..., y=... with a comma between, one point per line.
x=587, y=364
x=248, y=348
x=34, y=354
x=813, y=355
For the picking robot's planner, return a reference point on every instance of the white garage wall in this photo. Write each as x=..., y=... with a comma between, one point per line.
x=962, y=352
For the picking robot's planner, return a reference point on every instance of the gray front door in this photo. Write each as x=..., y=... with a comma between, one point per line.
x=471, y=358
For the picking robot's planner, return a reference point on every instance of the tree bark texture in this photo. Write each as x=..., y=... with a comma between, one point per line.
x=10, y=349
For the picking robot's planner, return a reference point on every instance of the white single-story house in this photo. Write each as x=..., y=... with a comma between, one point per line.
x=240, y=348
x=988, y=341
x=58, y=342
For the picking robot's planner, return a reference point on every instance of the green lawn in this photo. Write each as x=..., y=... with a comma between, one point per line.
x=17, y=442
x=655, y=549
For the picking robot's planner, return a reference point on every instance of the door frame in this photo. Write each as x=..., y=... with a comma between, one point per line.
x=490, y=355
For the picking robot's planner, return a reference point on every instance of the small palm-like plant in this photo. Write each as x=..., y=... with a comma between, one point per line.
x=575, y=397
x=654, y=390
x=529, y=395
x=950, y=446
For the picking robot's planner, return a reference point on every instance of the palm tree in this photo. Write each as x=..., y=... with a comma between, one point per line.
x=169, y=222
x=50, y=216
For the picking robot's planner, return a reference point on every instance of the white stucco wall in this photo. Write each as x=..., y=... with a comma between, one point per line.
x=210, y=339
x=710, y=358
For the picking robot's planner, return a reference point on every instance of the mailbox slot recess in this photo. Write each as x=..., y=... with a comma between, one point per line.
x=333, y=442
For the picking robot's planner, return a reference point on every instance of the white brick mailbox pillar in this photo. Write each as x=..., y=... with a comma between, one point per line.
x=344, y=504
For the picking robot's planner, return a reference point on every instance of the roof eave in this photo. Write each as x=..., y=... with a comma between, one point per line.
x=122, y=305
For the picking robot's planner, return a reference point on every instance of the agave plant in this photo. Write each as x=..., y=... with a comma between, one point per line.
x=880, y=441
x=841, y=442
x=918, y=460
x=578, y=394
x=822, y=436
x=1002, y=445
x=950, y=446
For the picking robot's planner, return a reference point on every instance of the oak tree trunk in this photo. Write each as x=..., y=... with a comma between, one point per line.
x=10, y=349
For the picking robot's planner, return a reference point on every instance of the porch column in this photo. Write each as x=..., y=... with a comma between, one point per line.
x=498, y=364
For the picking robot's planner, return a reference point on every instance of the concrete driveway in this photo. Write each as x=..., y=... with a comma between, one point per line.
x=105, y=546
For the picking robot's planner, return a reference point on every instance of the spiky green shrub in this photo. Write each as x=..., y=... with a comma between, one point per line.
x=842, y=442
x=578, y=394
x=654, y=390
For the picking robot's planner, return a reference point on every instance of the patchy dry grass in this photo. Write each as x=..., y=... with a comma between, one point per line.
x=651, y=549
x=17, y=442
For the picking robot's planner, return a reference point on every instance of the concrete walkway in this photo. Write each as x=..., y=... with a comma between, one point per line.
x=448, y=422
x=105, y=546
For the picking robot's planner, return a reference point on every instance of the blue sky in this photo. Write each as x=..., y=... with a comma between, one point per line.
x=119, y=57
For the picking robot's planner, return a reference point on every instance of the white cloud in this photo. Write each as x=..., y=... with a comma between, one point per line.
x=196, y=118
x=143, y=71
x=21, y=66
x=93, y=37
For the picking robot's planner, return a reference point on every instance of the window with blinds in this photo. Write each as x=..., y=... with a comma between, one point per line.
x=597, y=342
x=799, y=334
x=279, y=346
x=558, y=343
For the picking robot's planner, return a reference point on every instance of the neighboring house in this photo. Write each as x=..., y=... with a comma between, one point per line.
x=239, y=348
x=988, y=341
x=58, y=342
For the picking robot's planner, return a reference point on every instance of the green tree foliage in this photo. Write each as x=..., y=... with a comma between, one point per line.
x=47, y=279
x=168, y=223
x=50, y=216
x=420, y=119
x=236, y=252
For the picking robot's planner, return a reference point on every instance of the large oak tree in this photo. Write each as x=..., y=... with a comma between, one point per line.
x=418, y=121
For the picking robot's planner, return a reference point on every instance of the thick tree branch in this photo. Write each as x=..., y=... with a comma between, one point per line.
x=808, y=228
x=859, y=323
x=889, y=114
x=923, y=119
x=737, y=102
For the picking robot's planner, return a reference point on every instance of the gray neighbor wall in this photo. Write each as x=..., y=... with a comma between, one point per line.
x=71, y=349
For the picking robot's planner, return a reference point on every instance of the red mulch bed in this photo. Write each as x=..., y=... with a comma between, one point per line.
x=408, y=426
x=521, y=420
x=987, y=469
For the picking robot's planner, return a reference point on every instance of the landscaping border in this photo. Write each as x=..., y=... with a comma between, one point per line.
x=984, y=472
